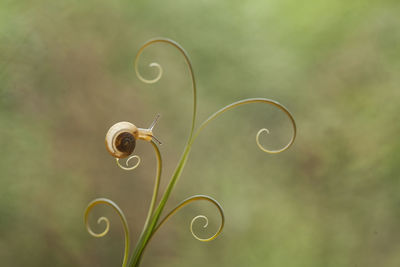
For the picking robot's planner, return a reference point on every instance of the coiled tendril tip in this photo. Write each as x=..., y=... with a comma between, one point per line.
x=126, y=168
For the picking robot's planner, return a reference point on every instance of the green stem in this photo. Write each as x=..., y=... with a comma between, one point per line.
x=135, y=261
x=156, y=185
x=153, y=201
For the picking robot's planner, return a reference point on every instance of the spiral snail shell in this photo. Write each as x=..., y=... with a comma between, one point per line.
x=121, y=138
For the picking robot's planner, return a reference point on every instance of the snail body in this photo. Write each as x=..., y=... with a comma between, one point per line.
x=121, y=138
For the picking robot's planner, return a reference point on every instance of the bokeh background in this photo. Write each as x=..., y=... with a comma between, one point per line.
x=66, y=75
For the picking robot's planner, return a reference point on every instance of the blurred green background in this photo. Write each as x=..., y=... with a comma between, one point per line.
x=66, y=75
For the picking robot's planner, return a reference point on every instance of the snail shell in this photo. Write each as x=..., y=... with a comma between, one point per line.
x=121, y=139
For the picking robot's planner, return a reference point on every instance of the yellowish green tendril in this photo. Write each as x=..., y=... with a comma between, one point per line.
x=250, y=101
x=157, y=180
x=160, y=71
x=183, y=204
x=121, y=215
x=156, y=184
x=151, y=65
x=188, y=201
x=127, y=168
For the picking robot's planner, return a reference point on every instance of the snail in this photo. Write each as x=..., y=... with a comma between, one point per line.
x=121, y=138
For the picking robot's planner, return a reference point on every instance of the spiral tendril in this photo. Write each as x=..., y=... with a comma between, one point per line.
x=121, y=215
x=101, y=219
x=151, y=65
x=250, y=101
x=188, y=201
x=126, y=168
x=204, y=226
x=160, y=71
x=264, y=130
